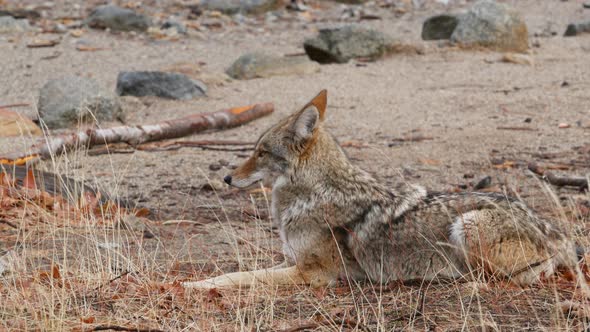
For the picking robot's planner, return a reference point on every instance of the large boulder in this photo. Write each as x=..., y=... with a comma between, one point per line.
x=117, y=19
x=339, y=45
x=439, y=27
x=231, y=7
x=159, y=84
x=492, y=25
x=69, y=100
x=257, y=65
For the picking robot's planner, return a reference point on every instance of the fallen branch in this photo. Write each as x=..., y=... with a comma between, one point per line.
x=559, y=181
x=123, y=328
x=135, y=135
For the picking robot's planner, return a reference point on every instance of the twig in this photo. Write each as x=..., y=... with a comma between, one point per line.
x=415, y=138
x=15, y=105
x=176, y=145
x=351, y=324
x=4, y=221
x=115, y=278
x=555, y=180
x=123, y=328
x=517, y=128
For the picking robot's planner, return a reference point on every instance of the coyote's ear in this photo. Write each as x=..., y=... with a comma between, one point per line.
x=305, y=123
x=320, y=102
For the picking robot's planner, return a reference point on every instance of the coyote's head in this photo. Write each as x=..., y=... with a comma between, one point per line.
x=284, y=146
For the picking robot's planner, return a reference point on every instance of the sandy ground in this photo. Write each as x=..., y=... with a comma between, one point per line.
x=459, y=98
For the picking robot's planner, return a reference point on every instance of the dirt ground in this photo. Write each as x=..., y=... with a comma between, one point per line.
x=459, y=99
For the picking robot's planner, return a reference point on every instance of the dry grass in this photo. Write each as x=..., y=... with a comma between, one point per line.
x=87, y=271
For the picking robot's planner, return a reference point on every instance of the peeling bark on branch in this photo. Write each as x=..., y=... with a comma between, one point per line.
x=135, y=135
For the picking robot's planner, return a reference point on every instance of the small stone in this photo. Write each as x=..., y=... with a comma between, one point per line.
x=259, y=65
x=9, y=24
x=575, y=29
x=14, y=124
x=223, y=162
x=439, y=27
x=214, y=167
x=586, y=5
x=493, y=25
x=563, y=125
x=339, y=45
x=483, y=183
x=117, y=19
x=69, y=100
x=214, y=185
x=160, y=84
x=171, y=23
x=231, y=7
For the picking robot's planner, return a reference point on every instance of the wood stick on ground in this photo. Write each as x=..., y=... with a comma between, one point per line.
x=123, y=328
x=559, y=181
x=347, y=323
x=136, y=135
x=15, y=105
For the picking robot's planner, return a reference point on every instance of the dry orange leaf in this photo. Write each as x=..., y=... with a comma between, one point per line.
x=506, y=164
x=37, y=43
x=88, y=320
x=432, y=162
x=29, y=180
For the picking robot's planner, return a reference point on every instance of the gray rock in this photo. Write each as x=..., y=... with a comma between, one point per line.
x=257, y=65
x=492, y=25
x=9, y=24
x=439, y=27
x=117, y=19
x=174, y=24
x=577, y=28
x=231, y=7
x=160, y=84
x=352, y=2
x=338, y=45
x=66, y=101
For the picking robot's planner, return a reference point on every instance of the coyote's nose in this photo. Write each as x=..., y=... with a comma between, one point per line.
x=227, y=179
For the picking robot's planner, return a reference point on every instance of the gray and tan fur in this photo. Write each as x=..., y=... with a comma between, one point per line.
x=338, y=222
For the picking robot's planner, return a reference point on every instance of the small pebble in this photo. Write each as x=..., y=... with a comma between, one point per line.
x=563, y=125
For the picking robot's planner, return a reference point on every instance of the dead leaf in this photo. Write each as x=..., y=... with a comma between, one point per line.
x=507, y=164
x=77, y=33
x=85, y=48
x=29, y=180
x=88, y=320
x=37, y=43
x=432, y=162
x=14, y=124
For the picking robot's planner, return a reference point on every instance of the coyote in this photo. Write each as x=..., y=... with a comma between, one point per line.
x=337, y=221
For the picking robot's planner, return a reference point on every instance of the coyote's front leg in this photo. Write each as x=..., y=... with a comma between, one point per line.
x=278, y=275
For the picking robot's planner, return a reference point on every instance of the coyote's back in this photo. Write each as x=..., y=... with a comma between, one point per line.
x=337, y=221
